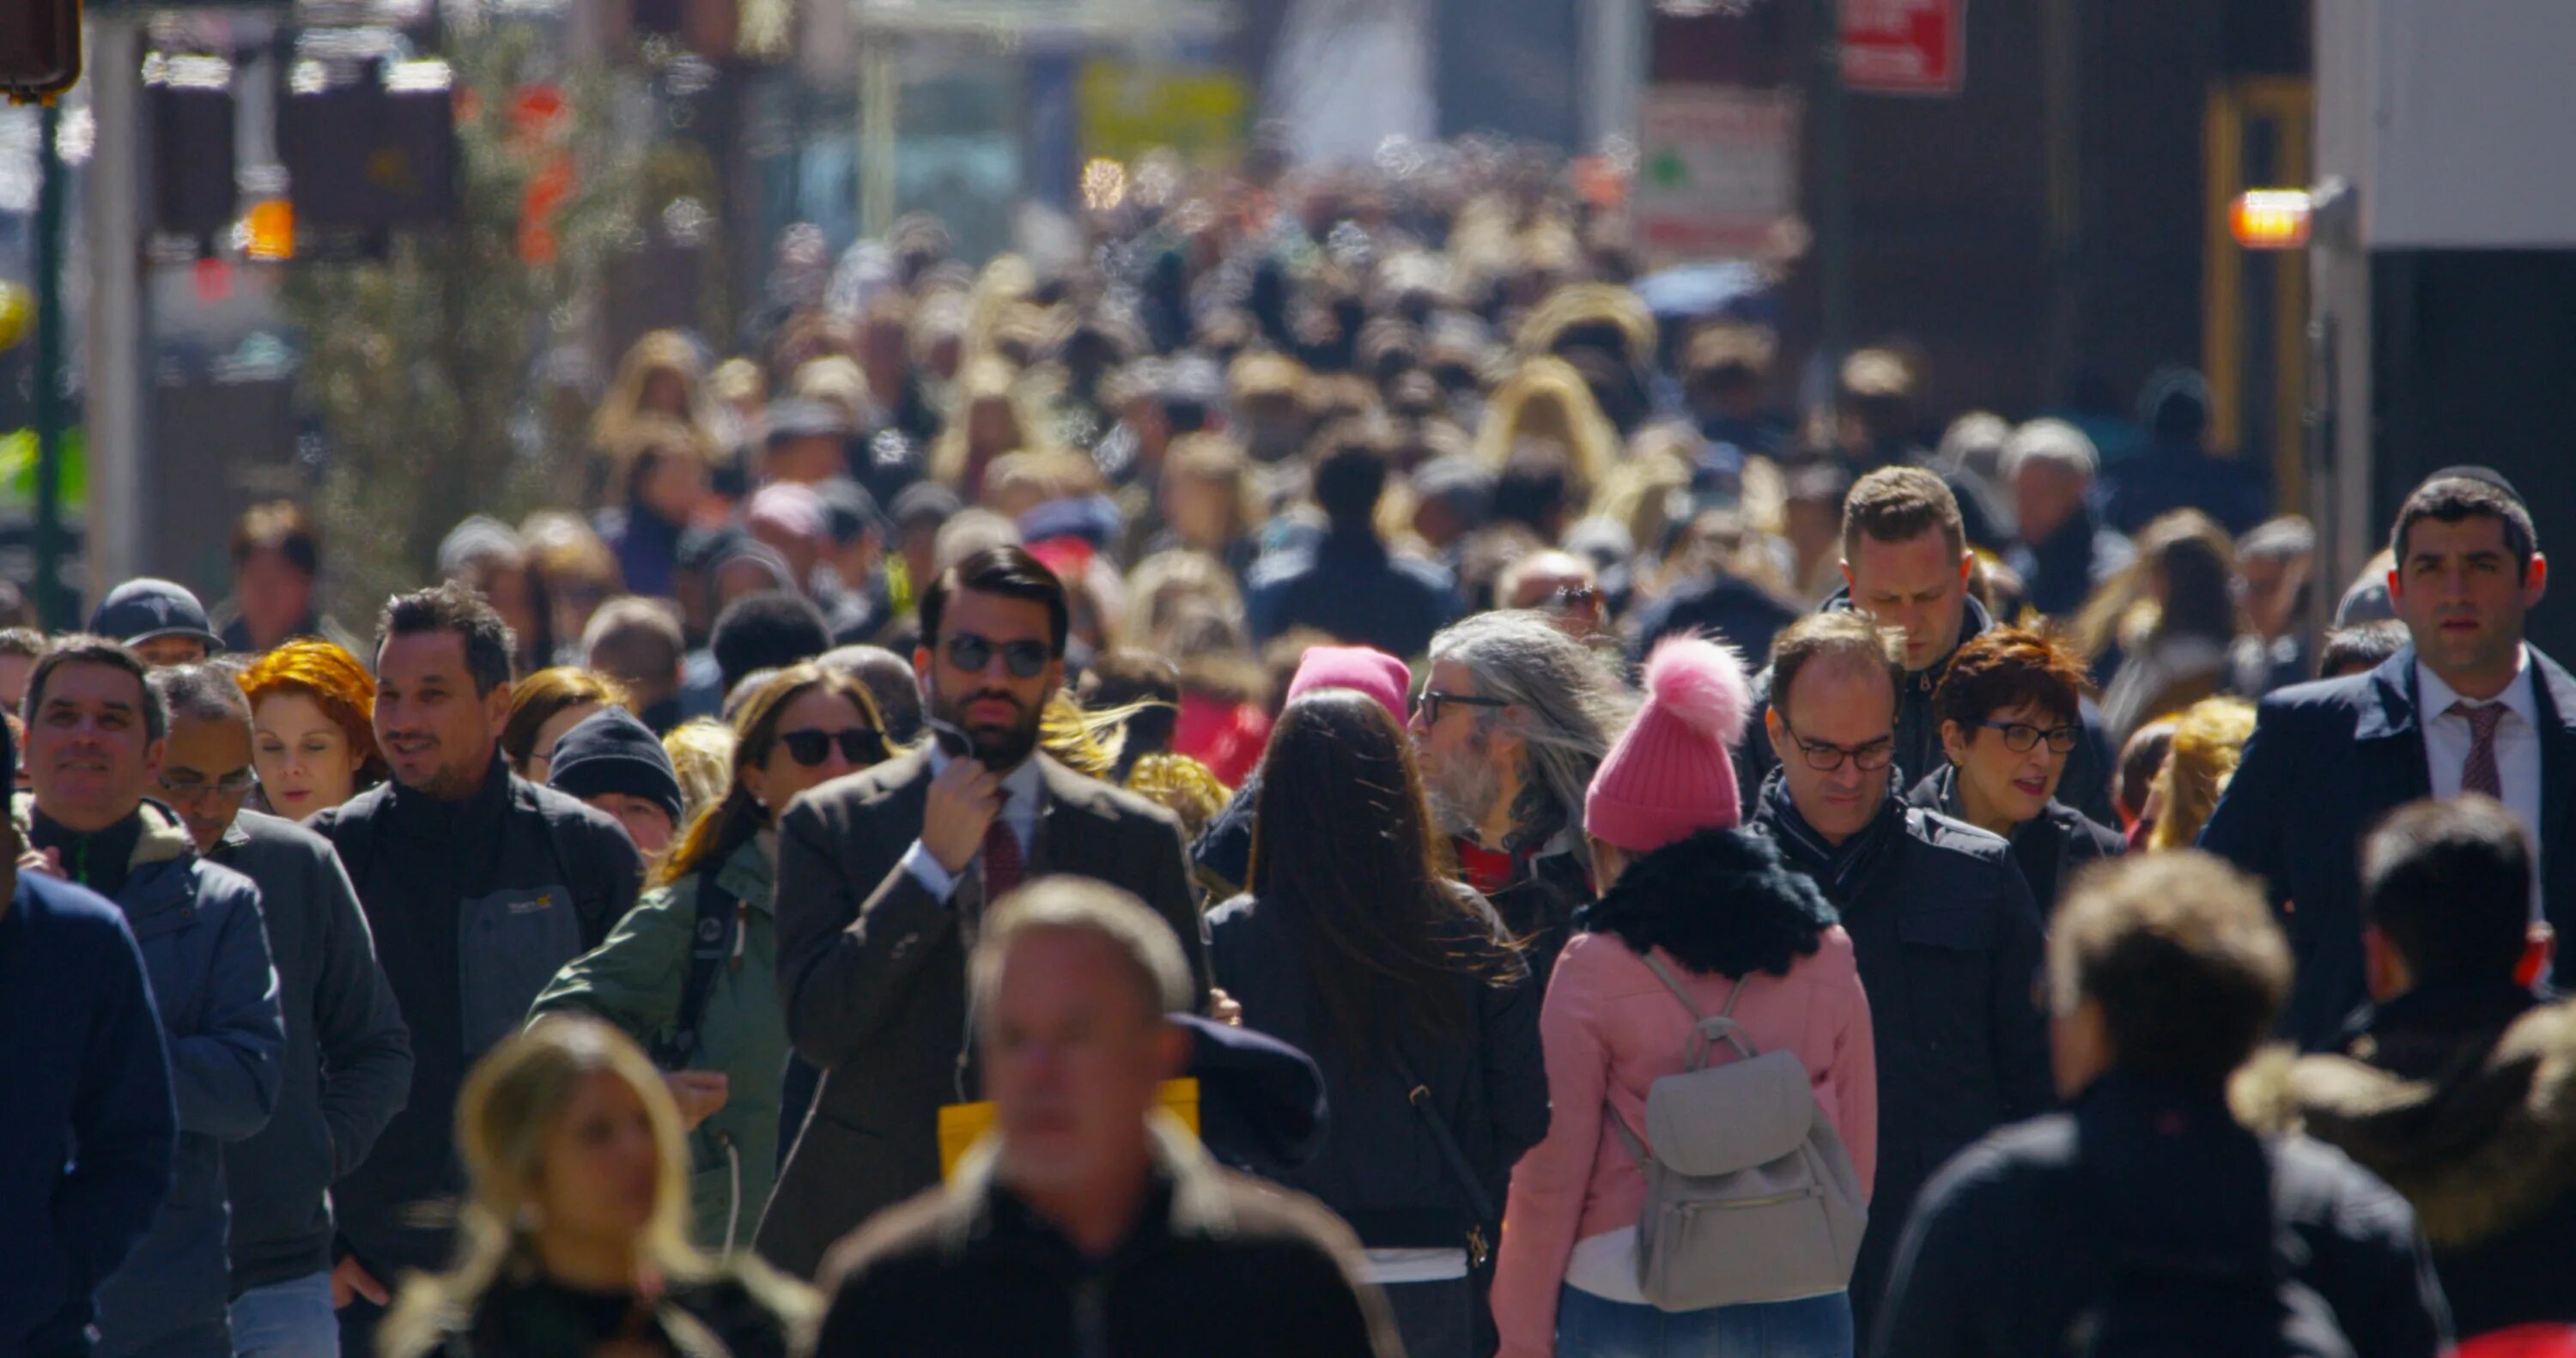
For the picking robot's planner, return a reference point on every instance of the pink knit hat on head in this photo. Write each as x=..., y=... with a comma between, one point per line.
x=1361, y=668
x=1672, y=776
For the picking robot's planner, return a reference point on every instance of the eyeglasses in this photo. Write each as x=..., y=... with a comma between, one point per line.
x=1824, y=758
x=858, y=745
x=971, y=653
x=1428, y=702
x=1576, y=598
x=233, y=784
x=2020, y=736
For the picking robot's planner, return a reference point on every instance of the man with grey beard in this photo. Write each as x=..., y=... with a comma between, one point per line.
x=1510, y=726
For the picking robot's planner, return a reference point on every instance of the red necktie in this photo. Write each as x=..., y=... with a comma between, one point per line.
x=1003, y=867
x=2479, y=773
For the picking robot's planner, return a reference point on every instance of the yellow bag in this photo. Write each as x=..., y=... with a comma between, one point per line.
x=961, y=1125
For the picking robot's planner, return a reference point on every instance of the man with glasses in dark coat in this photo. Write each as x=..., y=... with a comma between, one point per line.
x=883, y=878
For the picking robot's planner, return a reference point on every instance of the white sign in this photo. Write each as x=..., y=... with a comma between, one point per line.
x=1717, y=170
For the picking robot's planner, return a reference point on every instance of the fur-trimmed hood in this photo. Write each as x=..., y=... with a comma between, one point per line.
x=2477, y=1151
x=1721, y=902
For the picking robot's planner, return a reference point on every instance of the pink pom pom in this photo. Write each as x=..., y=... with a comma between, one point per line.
x=1702, y=683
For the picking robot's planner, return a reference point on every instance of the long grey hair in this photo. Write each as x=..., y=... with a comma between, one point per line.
x=1567, y=703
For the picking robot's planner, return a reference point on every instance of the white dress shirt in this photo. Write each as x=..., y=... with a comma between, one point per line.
x=1022, y=792
x=2447, y=741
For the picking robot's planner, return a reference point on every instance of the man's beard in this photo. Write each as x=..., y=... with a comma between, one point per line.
x=1462, y=792
x=999, y=750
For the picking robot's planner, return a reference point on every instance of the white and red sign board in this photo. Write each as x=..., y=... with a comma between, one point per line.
x=1717, y=170
x=1905, y=46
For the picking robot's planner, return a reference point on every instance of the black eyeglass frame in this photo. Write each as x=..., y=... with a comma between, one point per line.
x=863, y=746
x=2021, y=737
x=1870, y=758
x=1428, y=701
x=972, y=653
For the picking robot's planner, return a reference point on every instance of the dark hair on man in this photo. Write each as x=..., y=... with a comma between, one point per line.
x=2449, y=885
x=2451, y=499
x=2007, y=668
x=635, y=638
x=889, y=680
x=2360, y=649
x=279, y=526
x=202, y=693
x=454, y=607
x=1837, y=639
x=2140, y=761
x=1899, y=504
x=1351, y=461
x=89, y=650
x=769, y=630
x=2180, y=952
x=1009, y=571
x=26, y=641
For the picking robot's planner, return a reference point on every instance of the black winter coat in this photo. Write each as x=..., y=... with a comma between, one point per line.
x=2086, y=786
x=2018, y=1238
x=2049, y=848
x=1379, y=1166
x=2463, y=1097
x=1949, y=947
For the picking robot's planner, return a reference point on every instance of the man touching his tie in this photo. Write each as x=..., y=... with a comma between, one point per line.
x=2467, y=706
x=884, y=878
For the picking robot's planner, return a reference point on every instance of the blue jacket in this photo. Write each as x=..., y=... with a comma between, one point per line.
x=206, y=953
x=84, y=1066
x=2326, y=761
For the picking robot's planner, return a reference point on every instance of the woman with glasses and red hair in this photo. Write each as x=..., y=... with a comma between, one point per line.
x=692, y=972
x=2010, y=706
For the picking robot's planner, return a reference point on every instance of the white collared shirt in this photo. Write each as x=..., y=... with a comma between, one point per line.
x=2447, y=740
x=1022, y=791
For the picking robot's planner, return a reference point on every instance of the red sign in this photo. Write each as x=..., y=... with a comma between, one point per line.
x=1905, y=46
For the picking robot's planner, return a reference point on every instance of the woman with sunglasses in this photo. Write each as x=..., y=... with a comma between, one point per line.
x=692, y=971
x=2009, y=707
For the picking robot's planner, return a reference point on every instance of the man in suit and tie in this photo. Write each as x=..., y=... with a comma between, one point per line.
x=883, y=878
x=2466, y=706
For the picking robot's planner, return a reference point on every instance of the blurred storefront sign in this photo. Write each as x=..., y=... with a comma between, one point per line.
x=1127, y=109
x=1905, y=46
x=1717, y=170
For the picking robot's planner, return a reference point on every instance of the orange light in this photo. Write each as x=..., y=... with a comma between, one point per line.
x=2271, y=219
x=271, y=223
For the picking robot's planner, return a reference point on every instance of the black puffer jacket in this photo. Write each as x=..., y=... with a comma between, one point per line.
x=2049, y=848
x=1380, y=1166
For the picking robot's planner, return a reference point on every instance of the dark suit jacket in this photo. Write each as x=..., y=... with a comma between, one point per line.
x=2326, y=762
x=872, y=969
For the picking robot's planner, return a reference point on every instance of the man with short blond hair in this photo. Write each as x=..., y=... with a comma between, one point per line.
x=1087, y=1221
x=1906, y=564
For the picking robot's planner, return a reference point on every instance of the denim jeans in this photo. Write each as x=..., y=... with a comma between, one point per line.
x=292, y=1319
x=1812, y=1327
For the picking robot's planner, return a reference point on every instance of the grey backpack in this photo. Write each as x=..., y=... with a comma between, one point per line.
x=1750, y=1196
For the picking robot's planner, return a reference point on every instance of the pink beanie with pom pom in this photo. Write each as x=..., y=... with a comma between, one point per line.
x=1673, y=774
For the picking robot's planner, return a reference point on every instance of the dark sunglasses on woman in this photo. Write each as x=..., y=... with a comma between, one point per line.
x=811, y=748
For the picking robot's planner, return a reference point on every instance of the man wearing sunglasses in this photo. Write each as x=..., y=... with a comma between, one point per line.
x=347, y=1066
x=1941, y=924
x=883, y=879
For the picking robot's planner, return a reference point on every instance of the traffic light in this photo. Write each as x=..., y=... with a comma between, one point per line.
x=40, y=48
x=190, y=99
x=371, y=147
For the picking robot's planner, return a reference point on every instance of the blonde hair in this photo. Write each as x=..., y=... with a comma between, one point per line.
x=621, y=411
x=702, y=754
x=2208, y=740
x=1181, y=785
x=1545, y=398
x=514, y=1096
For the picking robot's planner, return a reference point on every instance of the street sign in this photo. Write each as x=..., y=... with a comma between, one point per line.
x=1717, y=170
x=1127, y=108
x=1905, y=46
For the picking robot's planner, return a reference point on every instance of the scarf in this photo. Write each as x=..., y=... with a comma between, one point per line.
x=1838, y=868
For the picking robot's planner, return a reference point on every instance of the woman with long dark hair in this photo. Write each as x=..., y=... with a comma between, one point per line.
x=725, y=1061
x=1353, y=944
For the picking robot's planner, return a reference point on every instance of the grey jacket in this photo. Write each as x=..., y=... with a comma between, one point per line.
x=872, y=969
x=348, y=1056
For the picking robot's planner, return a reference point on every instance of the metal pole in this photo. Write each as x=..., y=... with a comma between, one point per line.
x=1833, y=188
x=49, y=602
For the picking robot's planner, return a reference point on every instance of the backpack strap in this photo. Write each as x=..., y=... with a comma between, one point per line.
x=716, y=939
x=1708, y=1029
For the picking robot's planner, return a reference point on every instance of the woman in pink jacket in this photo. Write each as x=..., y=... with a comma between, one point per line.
x=1716, y=903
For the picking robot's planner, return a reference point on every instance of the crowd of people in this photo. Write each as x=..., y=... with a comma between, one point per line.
x=1320, y=780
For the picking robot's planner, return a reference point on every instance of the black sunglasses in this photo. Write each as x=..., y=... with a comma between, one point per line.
x=1428, y=702
x=858, y=745
x=971, y=653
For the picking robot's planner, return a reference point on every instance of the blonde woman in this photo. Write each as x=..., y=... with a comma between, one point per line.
x=2208, y=742
x=1545, y=400
x=576, y=1227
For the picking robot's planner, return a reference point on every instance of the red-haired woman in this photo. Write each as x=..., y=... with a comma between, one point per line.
x=313, y=744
